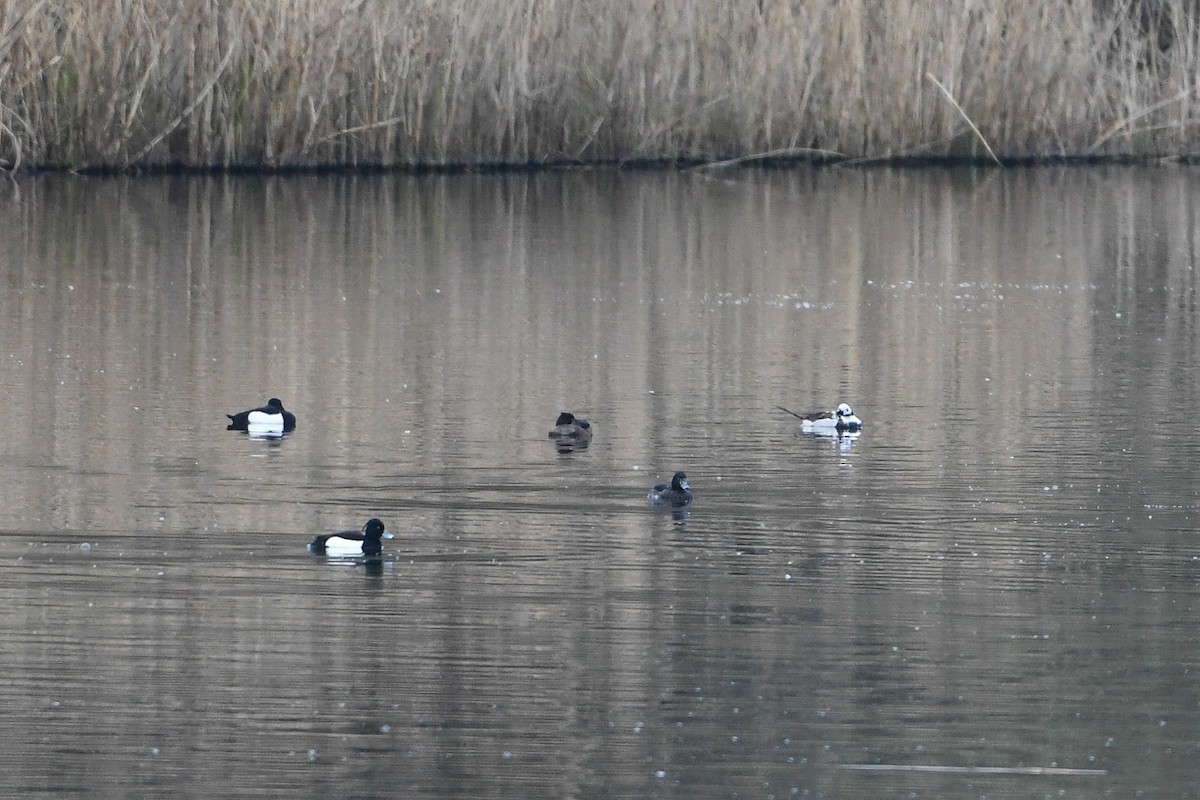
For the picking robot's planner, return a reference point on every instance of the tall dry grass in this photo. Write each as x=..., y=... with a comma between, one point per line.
x=146, y=83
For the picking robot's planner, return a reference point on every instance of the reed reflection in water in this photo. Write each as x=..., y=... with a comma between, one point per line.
x=994, y=583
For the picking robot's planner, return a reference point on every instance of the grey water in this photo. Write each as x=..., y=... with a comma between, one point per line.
x=991, y=592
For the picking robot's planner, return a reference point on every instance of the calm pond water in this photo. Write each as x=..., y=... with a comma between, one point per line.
x=992, y=592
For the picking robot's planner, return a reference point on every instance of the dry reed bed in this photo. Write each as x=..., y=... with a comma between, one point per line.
x=146, y=83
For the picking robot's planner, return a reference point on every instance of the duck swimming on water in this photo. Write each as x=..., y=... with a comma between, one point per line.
x=677, y=493
x=572, y=430
x=270, y=416
x=345, y=544
x=841, y=420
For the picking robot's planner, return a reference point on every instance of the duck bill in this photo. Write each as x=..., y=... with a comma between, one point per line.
x=389, y=535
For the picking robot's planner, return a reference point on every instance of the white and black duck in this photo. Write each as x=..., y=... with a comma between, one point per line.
x=271, y=417
x=346, y=544
x=841, y=420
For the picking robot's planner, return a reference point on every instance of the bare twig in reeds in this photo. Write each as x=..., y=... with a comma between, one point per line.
x=959, y=109
x=174, y=123
x=782, y=153
x=1123, y=124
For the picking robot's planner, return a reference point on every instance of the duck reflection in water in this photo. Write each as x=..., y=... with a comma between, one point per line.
x=840, y=440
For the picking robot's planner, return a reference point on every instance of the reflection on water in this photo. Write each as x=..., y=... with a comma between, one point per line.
x=988, y=592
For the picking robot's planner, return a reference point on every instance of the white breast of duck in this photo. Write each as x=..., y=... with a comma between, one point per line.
x=265, y=420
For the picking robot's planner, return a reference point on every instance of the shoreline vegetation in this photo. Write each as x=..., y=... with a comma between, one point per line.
x=136, y=85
